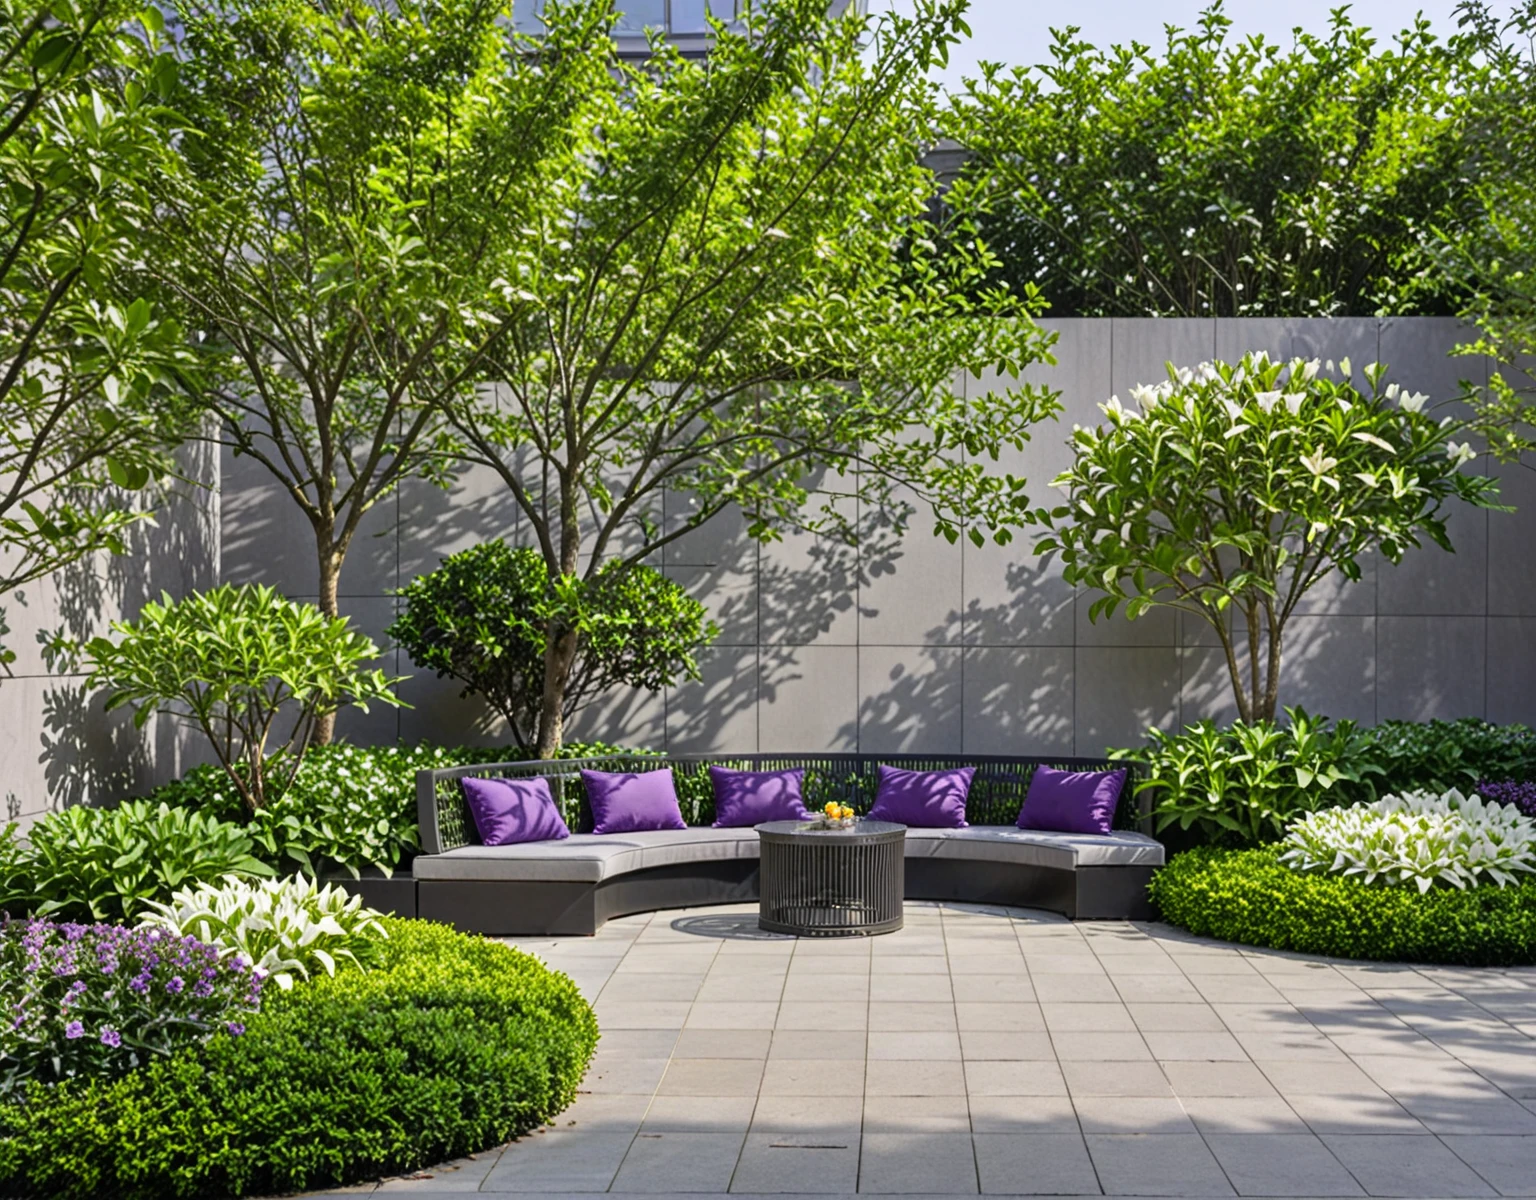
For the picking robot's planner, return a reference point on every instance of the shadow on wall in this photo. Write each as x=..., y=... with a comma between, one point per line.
x=89, y=756
x=996, y=698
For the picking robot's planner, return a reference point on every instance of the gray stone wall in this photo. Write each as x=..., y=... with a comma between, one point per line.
x=57, y=746
x=903, y=645
x=920, y=645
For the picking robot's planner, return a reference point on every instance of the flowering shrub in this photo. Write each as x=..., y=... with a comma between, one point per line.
x=1230, y=490
x=99, y=1000
x=1417, y=838
x=284, y=926
x=1519, y=796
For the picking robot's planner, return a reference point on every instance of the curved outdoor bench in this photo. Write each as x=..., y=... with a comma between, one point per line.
x=574, y=885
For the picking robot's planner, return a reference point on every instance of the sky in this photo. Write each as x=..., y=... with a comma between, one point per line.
x=1017, y=31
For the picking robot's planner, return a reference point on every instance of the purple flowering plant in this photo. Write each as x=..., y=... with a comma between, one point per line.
x=1510, y=791
x=102, y=999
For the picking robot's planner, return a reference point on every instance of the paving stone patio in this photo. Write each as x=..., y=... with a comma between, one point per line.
x=1013, y=1053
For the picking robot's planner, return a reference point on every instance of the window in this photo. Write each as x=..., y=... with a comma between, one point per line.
x=635, y=17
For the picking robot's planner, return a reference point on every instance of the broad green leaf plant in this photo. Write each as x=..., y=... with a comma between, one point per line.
x=241, y=664
x=482, y=616
x=730, y=293
x=96, y=864
x=88, y=420
x=1244, y=784
x=1223, y=176
x=1236, y=488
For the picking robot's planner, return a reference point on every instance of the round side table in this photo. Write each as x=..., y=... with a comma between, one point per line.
x=832, y=882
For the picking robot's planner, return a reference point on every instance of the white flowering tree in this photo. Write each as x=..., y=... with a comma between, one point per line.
x=1240, y=487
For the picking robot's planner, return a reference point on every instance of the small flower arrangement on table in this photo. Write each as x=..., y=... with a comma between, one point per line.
x=835, y=816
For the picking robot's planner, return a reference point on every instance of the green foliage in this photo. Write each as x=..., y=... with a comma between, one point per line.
x=93, y=864
x=1241, y=487
x=15, y=873
x=1248, y=896
x=340, y=313
x=454, y=1045
x=483, y=618
x=1439, y=755
x=1491, y=256
x=236, y=662
x=284, y=927
x=1224, y=177
x=727, y=292
x=348, y=807
x=86, y=414
x=1247, y=782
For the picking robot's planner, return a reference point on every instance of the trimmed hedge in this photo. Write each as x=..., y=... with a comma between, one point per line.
x=453, y=1045
x=1249, y=896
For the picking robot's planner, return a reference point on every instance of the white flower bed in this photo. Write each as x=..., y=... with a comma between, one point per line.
x=285, y=927
x=1417, y=838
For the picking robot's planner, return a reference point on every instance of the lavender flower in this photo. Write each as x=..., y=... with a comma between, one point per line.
x=235, y=1028
x=60, y=981
x=1521, y=795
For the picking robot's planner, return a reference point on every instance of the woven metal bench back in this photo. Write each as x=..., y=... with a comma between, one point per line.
x=997, y=791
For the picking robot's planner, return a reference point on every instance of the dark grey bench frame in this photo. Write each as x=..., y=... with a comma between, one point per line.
x=529, y=907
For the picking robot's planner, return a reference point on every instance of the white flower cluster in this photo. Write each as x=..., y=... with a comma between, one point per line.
x=1417, y=838
x=284, y=926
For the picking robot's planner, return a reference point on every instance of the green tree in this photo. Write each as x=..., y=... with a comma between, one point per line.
x=733, y=288
x=1241, y=487
x=238, y=664
x=86, y=418
x=1491, y=257
x=356, y=170
x=483, y=615
x=1217, y=177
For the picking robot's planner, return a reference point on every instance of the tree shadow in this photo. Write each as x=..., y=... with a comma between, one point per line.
x=89, y=756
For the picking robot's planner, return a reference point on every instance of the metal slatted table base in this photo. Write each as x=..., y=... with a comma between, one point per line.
x=832, y=882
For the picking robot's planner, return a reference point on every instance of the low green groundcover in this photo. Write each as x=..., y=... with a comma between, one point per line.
x=1249, y=896
x=452, y=1045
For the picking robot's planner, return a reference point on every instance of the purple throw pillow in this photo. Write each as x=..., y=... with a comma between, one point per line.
x=632, y=801
x=752, y=797
x=923, y=799
x=1071, y=801
x=509, y=811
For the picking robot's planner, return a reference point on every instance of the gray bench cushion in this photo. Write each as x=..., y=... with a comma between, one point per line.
x=1036, y=848
x=592, y=858
x=588, y=857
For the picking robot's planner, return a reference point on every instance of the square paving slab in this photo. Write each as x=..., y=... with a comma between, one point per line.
x=1008, y=1052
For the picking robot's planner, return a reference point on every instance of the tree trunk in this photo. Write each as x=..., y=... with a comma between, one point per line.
x=330, y=559
x=1272, y=673
x=559, y=656
x=1234, y=672
x=559, y=638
